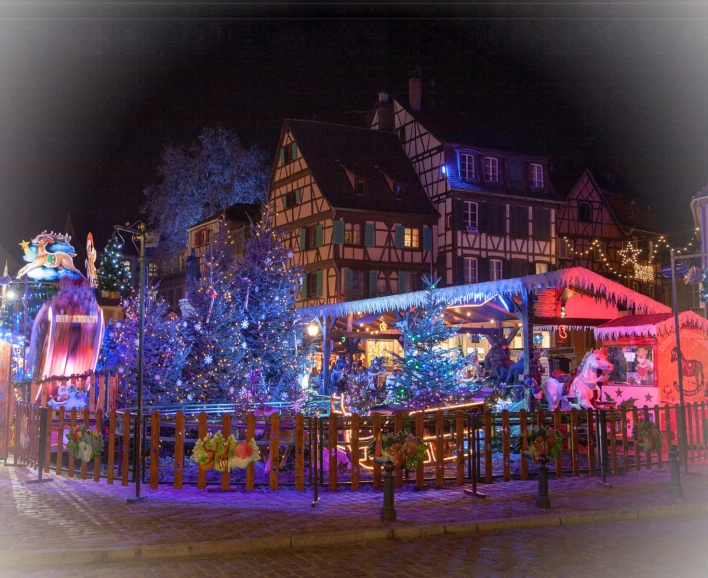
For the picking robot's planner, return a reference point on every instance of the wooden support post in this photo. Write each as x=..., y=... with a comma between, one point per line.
x=179, y=451
x=355, y=450
x=110, y=458
x=397, y=428
x=274, y=439
x=527, y=331
x=250, y=434
x=72, y=425
x=439, y=448
x=87, y=425
x=657, y=419
x=226, y=432
x=667, y=429
x=60, y=441
x=626, y=462
x=697, y=421
x=154, y=449
x=420, y=467
x=574, y=454
x=377, y=434
x=97, y=459
x=299, y=452
x=101, y=384
x=557, y=424
x=591, y=441
x=540, y=418
x=645, y=415
x=201, y=434
x=613, y=441
x=332, y=450
x=635, y=444
x=125, y=464
x=460, y=447
x=523, y=431
x=487, y=446
x=506, y=446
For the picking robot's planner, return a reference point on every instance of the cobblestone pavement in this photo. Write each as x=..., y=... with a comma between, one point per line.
x=673, y=547
x=86, y=514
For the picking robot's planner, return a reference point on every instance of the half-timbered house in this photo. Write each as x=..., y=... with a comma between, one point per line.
x=497, y=205
x=358, y=220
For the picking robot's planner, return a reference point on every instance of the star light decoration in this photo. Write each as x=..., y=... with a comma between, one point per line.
x=629, y=254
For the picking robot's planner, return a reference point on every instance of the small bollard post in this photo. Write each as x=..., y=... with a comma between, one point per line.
x=542, y=499
x=388, y=512
x=675, y=467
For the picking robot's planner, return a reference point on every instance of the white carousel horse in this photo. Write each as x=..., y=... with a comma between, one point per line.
x=586, y=380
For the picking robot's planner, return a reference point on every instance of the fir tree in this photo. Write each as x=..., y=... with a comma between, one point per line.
x=164, y=351
x=113, y=272
x=429, y=370
x=276, y=356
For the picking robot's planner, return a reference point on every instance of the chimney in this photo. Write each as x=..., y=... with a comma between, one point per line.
x=415, y=92
x=385, y=112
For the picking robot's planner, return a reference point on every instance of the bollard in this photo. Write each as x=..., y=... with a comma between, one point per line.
x=388, y=512
x=542, y=499
x=675, y=467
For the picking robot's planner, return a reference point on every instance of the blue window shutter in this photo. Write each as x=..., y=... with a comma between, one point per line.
x=303, y=239
x=284, y=198
x=402, y=278
x=338, y=232
x=303, y=287
x=319, y=283
x=373, y=282
x=298, y=196
x=400, y=232
x=348, y=282
x=293, y=151
x=318, y=235
x=427, y=239
x=282, y=156
x=370, y=235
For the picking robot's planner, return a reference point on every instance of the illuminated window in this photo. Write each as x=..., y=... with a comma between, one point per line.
x=201, y=237
x=496, y=269
x=491, y=169
x=537, y=176
x=467, y=168
x=694, y=296
x=470, y=270
x=152, y=269
x=585, y=212
x=471, y=214
x=352, y=234
x=564, y=249
x=541, y=268
x=411, y=238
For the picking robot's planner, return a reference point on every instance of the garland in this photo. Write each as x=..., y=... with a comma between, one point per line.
x=649, y=436
x=214, y=452
x=540, y=441
x=84, y=443
x=401, y=449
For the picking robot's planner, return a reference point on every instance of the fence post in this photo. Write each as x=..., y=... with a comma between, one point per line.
x=48, y=443
x=179, y=451
x=574, y=454
x=557, y=424
x=41, y=445
x=705, y=430
x=72, y=425
x=590, y=413
x=635, y=445
x=154, y=449
x=226, y=432
x=542, y=499
x=420, y=467
x=398, y=428
x=274, y=449
x=522, y=432
x=110, y=461
x=201, y=434
x=645, y=413
x=60, y=441
x=689, y=428
x=377, y=433
x=487, y=446
x=675, y=467
x=506, y=446
x=87, y=424
x=250, y=434
x=388, y=512
x=332, y=451
x=657, y=419
x=97, y=459
x=125, y=463
x=698, y=430
x=613, y=441
x=439, y=448
x=460, y=445
x=313, y=460
x=300, y=453
x=355, y=450
x=626, y=462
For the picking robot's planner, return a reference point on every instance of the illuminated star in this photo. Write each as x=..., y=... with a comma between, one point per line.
x=24, y=245
x=619, y=392
x=648, y=397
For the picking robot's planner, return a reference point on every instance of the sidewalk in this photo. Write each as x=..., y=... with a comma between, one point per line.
x=74, y=522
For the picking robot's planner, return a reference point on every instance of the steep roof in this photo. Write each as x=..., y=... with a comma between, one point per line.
x=236, y=213
x=332, y=149
x=649, y=325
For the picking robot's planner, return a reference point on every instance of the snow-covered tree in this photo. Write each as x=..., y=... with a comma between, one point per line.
x=429, y=370
x=200, y=180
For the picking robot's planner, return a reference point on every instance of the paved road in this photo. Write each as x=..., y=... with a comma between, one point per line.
x=671, y=547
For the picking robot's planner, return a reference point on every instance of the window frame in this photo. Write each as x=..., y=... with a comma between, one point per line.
x=536, y=184
x=584, y=218
x=564, y=249
x=467, y=214
x=409, y=235
x=360, y=187
x=491, y=169
x=467, y=270
x=542, y=265
x=694, y=292
x=311, y=285
x=492, y=267
x=469, y=163
x=352, y=231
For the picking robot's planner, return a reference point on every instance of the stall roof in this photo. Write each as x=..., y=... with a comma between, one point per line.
x=577, y=278
x=649, y=325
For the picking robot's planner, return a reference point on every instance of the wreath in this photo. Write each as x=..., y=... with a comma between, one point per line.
x=540, y=441
x=215, y=452
x=84, y=444
x=401, y=449
x=649, y=436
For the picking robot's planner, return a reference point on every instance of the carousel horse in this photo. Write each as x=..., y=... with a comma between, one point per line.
x=586, y=380
x=338, y=384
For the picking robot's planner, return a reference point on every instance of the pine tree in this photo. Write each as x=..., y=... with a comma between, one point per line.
x=164, y=351
x=113, y=272
x=213, y=372
x=276, y=355
x=429, y=370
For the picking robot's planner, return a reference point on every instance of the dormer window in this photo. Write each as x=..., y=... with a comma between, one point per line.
x=585, y=212
x=467, y=167
x=536, y=176
x=491, y=169
x=360, y=187
x=398, y=191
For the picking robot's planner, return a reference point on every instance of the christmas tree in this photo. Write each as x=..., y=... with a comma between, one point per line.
x=164, y=351
x=212, y=326
x=429, y=370
x=276, y=356
x=113, y=272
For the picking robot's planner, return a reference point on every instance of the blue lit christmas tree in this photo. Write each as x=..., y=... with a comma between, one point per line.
x=113, y=272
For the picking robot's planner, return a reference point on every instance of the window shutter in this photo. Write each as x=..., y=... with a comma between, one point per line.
x=293, y=151
x=483, y=270
x=298, y=196
x=348, y=283
x=542, y=224
x=553, y=267
x=319, y=283
x=402, y=281
x=509, y=268
x=532, y=268
x=282, y=156
x=400, y=232
x=458, y=215
x=303, y=239
x=483, y=218
x=284, y=198
x=303, y=287
x=519, y=228
x=318, y=235
x=460, y=271
x=373, y=282
x=427, y=239
x=370, y=235
x=338, y=232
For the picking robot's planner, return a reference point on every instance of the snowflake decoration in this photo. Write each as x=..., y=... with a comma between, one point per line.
x=121, y=370
x=231, y=390
x=198, y=326
x=179, y=383
x=157, y=377
x=137, y=342
x=208, y=359
x=185, y=324
x=290, y=254
x=190, y=397
x=244, y=345
x=244, y=324
x=268, y=261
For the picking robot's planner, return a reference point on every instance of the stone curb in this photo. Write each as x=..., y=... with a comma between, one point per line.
x=45, y=558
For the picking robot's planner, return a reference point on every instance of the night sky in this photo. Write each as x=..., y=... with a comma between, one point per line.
x=89, y=94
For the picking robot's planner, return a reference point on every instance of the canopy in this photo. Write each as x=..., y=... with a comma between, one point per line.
x=649, y=325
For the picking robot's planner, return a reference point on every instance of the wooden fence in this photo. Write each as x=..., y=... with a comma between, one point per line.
x=101, y=389
x=331, y=451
